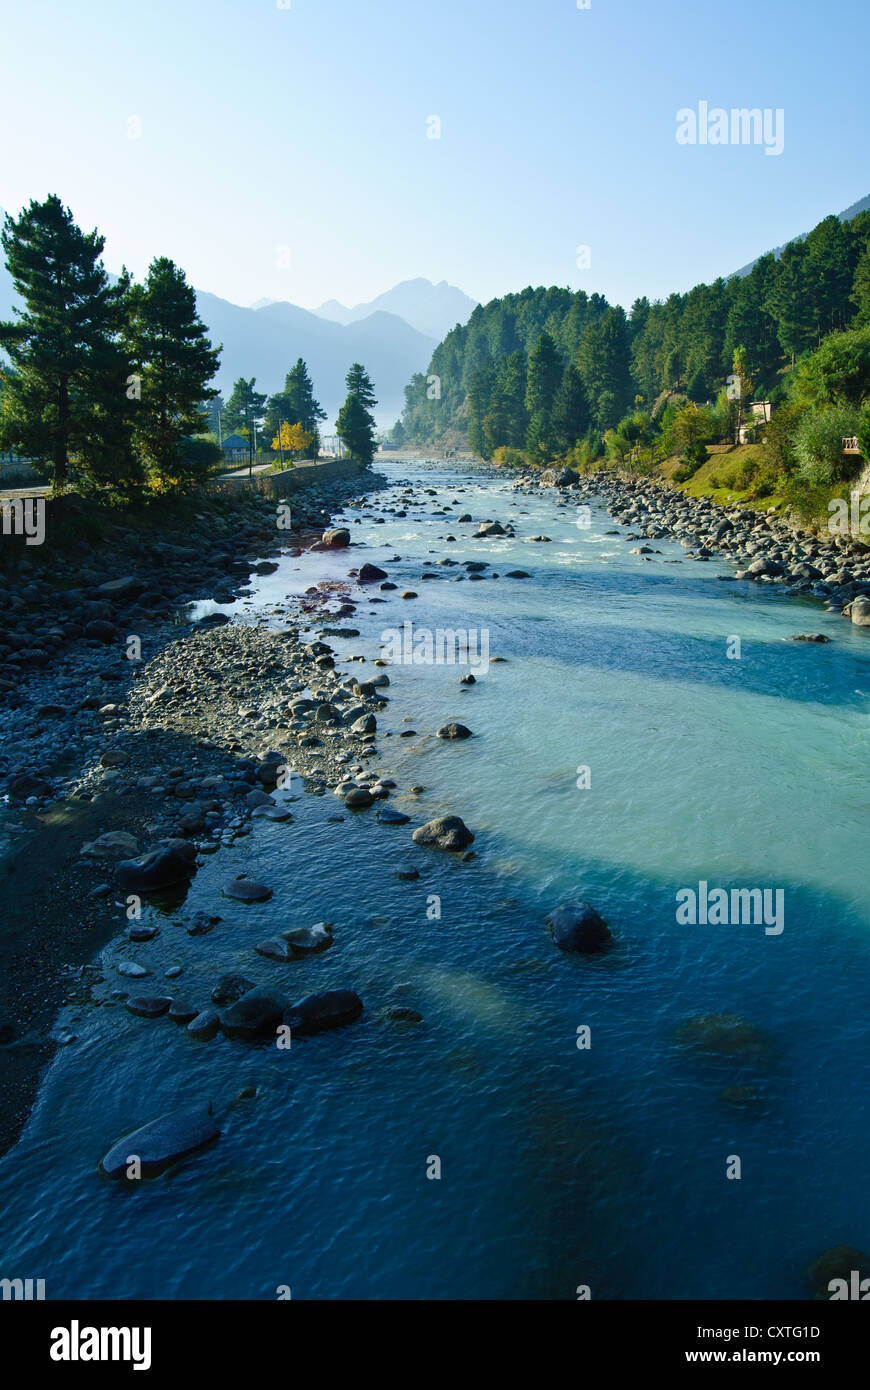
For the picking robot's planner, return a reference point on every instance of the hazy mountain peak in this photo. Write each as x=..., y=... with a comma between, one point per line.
x=431, y=309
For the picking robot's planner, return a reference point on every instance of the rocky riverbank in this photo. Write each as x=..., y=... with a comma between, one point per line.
x=765, y=547
x=163, y=745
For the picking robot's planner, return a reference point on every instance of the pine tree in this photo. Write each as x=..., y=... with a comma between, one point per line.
x=570, y=416
x=355, y=424
x=245, y=410
x=65, y=394
x=296, y=403
x=174, y=361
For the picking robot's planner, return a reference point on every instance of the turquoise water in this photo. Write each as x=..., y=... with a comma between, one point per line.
x=559, y=1166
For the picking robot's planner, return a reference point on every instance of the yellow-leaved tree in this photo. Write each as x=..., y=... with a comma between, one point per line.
x=292, y=439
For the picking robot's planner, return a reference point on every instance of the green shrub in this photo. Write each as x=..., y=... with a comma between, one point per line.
x=818, y=444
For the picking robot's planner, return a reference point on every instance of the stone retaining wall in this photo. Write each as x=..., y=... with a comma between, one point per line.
x=292, y=479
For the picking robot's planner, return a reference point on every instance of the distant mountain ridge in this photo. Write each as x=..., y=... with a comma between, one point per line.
x=432, y=309
x=861, y=206
x=265, y=341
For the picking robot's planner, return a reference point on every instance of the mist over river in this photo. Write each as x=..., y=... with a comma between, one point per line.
x=560, y=1166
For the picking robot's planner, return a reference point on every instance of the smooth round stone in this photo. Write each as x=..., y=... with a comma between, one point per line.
x=274, y=950
x=247, y=890
x=182, y=1011
x=147, y=1005
x=132, y=971
x=358, y=798
x=276, y=813
x=142, y=933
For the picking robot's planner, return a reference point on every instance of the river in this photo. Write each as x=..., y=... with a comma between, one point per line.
x=560, y=1166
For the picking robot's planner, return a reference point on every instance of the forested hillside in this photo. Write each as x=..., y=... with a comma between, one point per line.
x=545, y=369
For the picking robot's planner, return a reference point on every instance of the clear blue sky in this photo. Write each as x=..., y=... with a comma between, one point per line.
x=305, y=127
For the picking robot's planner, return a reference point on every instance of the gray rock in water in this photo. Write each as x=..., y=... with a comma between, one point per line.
x=247, y=890
x=370, y=573
x=231, y=988
x=132, y=970
x=336, y=538
x=318, y=1012
x=182, y=1011
x=256, y=1015
x=367, y=724
x=163, y=1141
x=358, y=797
x=578, y=929
x=275, y=813
x=445, y=832
x=204, y=1027
x=453, y=731
x=859, y=611
x=158, y=869
x=307, y=941
x=387, y=816
x=147, y=1006
x=274, y=950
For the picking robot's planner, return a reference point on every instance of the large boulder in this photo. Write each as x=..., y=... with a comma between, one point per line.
x=578, y=929
x=453, y=731
x=369, y=574
x=859, y=611
x=154, y=871
x=558, y=477
x=334, y=539
x=256, y=1015
x=317, y=1012
x=445, y=832
x=162, y=1141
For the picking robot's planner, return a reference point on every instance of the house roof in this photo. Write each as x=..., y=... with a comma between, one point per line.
x=235, y=441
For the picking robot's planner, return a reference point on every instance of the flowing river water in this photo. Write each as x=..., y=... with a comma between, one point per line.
x=560, y=1166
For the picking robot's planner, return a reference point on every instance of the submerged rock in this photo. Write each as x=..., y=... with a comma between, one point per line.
x=162, y=1141
x=247, y=890
x=182, y=1011
x=147, y=1006
x=726, y=1035
x=230, y=988
x=205, y=1026
x=256, y=1015
x=307, y=941
x=578, y=929
x=318, y=1012
x=453, y=731
x=445, y=832
x=837, y=1263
